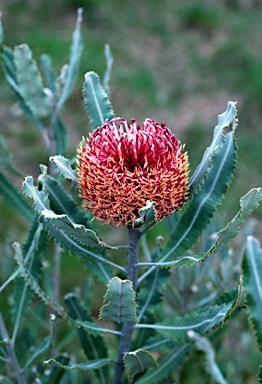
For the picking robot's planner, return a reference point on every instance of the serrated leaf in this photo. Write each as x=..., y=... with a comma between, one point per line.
x=248, y=203
x=147, y=214
x=40, y=198
x=32, y=253
x=78, y=231
x=252, y=283
x=231, y=295
x=183, y=261
x=203, y=344
x=137, y=362
x=90, y=365
x=224, y=120
x=201, y=322
x=96, y=101
x=67, y=241
x=202, y=207
x=103, y=272
x=91, y=327
x=31, y=281
x=94, y=347
x=56, y=373
x=15, y=197
x=64, y=168
x=166, y=365
x=9, y=70
x=119, y=302
x=30, y=82
x=62, y=203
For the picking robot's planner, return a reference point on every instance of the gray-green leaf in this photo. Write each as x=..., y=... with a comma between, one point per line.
x=64, y=167
x=96, y=101
x=77, y=231
x=137, y=362
x=119, y=302
x=252, y=268
x=204, y=345
x=224, y=120
x=88, y=366
x=40, y=198
x=30, y=82
x=166, y=365
x=15, y=197
x=248, y=203
x=147, y=213
x=201, y=322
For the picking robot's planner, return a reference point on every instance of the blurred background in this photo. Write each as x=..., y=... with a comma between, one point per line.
x=177, y=62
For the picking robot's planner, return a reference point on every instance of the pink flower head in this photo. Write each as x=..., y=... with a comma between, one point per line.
x=122, y=166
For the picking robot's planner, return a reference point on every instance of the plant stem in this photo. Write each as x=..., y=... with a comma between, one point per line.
x=133, y=242
x=57, y=272
x=127, y=329
x=12, y=356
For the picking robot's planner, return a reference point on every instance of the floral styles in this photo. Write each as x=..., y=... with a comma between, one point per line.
x=122, y=166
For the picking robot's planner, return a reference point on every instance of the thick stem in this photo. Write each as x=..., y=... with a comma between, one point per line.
x=133, y=236
x=12, y=356
x=128, y=327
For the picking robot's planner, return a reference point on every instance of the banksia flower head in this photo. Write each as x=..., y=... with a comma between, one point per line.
x=122, y=166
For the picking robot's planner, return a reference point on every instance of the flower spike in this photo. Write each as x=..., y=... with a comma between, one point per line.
x=122, y=166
